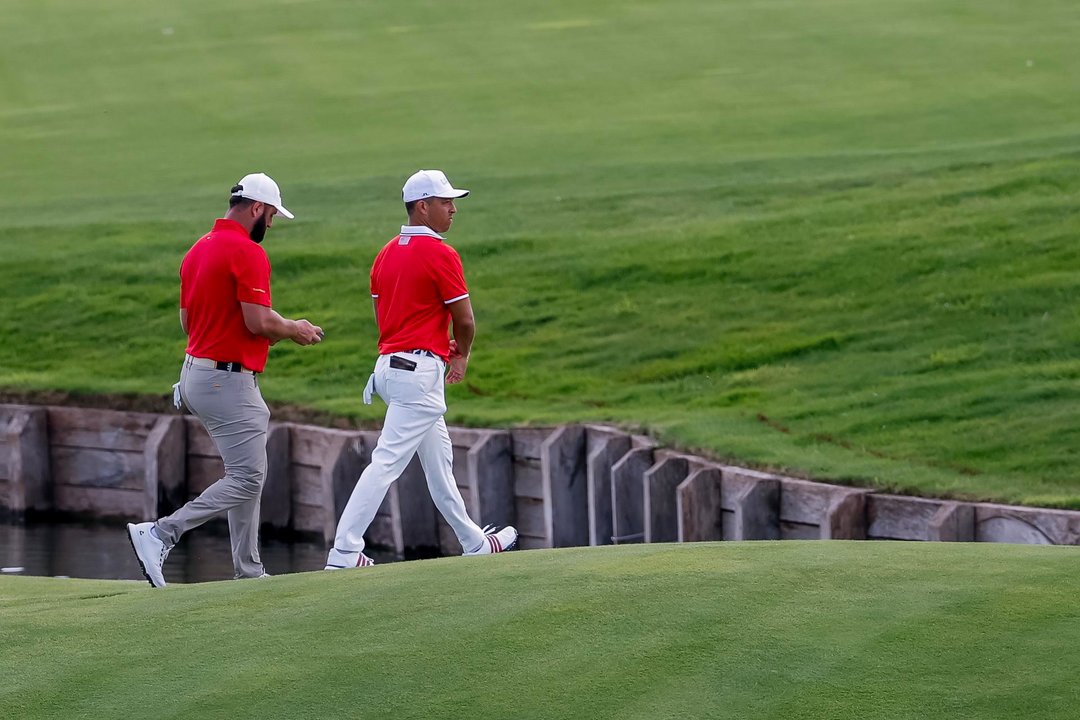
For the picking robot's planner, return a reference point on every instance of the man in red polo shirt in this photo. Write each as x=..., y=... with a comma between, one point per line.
x=225, y=310
x=418, y=289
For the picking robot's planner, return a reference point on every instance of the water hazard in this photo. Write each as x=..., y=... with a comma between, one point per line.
x=103, y=552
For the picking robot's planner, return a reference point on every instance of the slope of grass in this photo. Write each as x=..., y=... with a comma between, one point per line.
x=757, y=630
x=834, y=238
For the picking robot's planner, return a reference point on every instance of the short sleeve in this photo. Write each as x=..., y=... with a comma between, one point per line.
x=449, y=275
x=375, y=272
x=251, y=268
x=185, y=292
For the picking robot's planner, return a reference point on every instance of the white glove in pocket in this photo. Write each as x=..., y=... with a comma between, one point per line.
x=176, y=401
x=369, y=389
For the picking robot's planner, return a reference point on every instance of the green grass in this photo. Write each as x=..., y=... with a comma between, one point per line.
x=837, y=238
x=732, y=630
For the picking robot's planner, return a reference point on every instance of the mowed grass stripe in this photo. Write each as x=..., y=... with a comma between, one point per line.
x=833, y=630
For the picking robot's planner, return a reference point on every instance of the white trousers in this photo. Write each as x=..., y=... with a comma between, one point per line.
x=414, y=425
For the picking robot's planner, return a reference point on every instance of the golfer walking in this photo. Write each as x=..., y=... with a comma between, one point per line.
x=418, y=290
x=225, y=310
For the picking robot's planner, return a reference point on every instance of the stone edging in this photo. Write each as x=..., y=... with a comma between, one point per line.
x=566, y=486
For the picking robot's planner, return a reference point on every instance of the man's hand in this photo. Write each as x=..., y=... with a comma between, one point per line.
x=454, y=352
x=458, y=365
x=306, y=333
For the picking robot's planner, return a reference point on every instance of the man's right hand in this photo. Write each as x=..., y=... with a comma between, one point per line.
x=456, y=373
x=306, y=333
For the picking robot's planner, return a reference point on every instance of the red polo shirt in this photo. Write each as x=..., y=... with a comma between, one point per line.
x=220, y=271
x=415, y=278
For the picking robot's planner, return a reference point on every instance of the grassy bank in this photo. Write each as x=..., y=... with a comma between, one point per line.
x=835, y=238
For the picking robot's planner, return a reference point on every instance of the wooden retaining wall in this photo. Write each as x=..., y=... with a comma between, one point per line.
x=565, y=486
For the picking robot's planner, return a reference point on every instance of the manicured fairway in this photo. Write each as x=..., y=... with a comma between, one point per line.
x=756, y=630
x=838, y=238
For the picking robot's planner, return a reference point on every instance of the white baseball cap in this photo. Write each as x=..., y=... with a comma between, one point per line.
x=259, y=187
x=429, y=183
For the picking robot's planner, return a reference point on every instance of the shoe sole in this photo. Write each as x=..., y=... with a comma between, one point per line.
x=138, y=559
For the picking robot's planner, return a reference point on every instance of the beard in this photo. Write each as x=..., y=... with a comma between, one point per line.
x=258, y=230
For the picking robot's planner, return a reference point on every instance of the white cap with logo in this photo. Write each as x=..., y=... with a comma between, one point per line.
x=259, y=187
x=429, y=183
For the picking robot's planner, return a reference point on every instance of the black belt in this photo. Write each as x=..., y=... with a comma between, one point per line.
x=421, y=352
x=234, y=366
x=231, y=366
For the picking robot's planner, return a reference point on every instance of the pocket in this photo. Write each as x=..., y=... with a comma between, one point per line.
x=384, y=385
x=399, y=363
x=433, y=382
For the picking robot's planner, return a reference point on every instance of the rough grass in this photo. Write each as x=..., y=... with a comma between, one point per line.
x=832, y=237
x=723, y=630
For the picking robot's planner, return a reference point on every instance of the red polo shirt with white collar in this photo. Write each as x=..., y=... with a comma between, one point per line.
x=415, y=279
x=220, y=271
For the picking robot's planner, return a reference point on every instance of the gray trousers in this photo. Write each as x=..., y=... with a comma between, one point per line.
x=231, y=408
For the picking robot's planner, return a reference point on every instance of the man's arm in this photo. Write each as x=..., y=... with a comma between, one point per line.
x=266, y=322
x=461, y=314
x=183, y=319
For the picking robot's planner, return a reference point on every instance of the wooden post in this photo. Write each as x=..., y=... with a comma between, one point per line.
x=627, y=497
x=817, y=511
x=845, y=518
x=562, y=468
x=462, y=441
x=529, y=510
x=894, y=517
x=275, y=507
x=698, y=503
x=606, y=452
x=1032, y=526
x=953, y=522
x=165, y=459
x=661, y=510
x=98, y=462
x=323, y=464
x=24, y=454
x=753, y=501
x=419, y=517
x=491, y=479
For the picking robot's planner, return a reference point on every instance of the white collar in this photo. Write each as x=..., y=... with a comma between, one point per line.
x=409, y=230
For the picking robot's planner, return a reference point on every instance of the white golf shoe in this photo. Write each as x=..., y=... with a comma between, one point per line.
x=496, y=542
x=341, y=560
x=149, y=551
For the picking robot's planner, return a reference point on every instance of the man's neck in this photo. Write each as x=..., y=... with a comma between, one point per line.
x=240, y=218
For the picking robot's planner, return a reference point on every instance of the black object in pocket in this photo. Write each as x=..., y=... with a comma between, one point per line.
x=399, y=363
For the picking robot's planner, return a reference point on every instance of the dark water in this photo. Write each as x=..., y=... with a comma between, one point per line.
x=103, y=551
